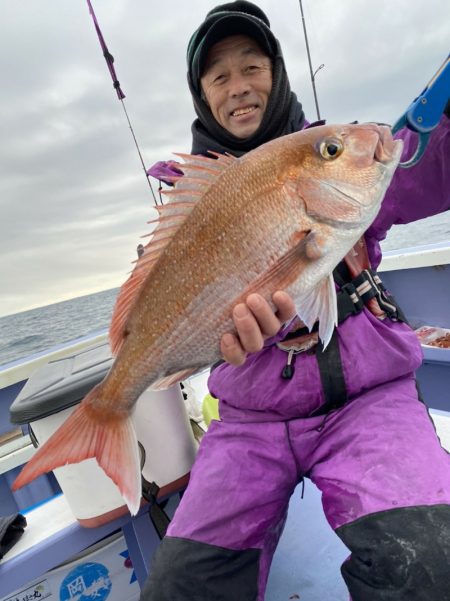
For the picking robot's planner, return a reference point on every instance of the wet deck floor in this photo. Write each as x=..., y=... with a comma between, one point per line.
x=306, y=565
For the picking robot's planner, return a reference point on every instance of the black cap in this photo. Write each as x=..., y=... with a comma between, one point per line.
x=234, y=18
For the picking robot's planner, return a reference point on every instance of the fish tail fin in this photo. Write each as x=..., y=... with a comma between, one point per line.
x=111, y=440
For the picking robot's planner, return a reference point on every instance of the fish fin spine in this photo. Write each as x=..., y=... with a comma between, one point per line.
x=199, y=173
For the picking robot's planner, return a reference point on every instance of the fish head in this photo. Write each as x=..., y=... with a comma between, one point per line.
x=335, y=178
x=344, y=171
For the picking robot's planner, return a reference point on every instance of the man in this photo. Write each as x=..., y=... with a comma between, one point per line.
x=349, y=418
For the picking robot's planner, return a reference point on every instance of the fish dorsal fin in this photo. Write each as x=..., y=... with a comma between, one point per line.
x=199, y=173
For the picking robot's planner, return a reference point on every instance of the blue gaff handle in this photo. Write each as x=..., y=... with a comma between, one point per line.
x=424, y=113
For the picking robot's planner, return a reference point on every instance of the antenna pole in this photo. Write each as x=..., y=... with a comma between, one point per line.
x=309, y=61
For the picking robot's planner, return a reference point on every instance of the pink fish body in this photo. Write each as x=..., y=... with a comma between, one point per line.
x=280, y=217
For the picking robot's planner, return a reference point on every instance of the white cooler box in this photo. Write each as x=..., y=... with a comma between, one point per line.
x=165, y=436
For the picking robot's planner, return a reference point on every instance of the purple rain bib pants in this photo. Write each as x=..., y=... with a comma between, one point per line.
x=384, y=477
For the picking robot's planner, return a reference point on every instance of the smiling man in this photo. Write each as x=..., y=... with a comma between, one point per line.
x=348, y=418
x=236, y=84
x=238, y=81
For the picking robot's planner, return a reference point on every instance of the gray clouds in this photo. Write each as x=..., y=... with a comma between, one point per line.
x=73, y=197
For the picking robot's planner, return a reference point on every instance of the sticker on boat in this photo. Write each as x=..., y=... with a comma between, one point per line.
x=87, y=582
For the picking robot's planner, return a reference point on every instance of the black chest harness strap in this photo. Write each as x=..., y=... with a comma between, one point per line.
x=331, y=376
x=353, y=296
x=366, y=286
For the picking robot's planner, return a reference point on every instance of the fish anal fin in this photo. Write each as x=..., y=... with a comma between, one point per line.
x=172, y=379
x=82, y=436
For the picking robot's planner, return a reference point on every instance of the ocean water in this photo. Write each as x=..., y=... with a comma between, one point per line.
x=36, y=330
x=29, y=332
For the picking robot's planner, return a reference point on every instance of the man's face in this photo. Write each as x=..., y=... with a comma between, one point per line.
x=236, y=84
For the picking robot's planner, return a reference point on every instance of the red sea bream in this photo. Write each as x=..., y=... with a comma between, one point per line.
x=280, y=217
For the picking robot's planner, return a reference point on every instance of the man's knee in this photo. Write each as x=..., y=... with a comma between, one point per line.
x=399, y=554
x=185, y=569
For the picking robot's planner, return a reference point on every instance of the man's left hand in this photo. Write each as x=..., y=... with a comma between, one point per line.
x=255, y=320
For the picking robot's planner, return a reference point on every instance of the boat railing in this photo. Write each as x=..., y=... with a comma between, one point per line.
x=427, y=255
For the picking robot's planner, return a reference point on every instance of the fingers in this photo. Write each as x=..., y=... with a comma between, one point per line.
x=249, y=337
x=255, y=320
x=232, y=350
x=285, y=307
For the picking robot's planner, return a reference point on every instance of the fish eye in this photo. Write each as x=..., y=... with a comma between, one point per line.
x=331, y=149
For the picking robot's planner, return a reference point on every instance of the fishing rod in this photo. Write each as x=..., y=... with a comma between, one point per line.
x=120, y=95
x=312, y=74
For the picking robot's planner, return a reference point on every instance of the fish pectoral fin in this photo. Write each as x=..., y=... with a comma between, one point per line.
x=112, y=442
x=168, y=381
x=317, y=245
x=320, y=304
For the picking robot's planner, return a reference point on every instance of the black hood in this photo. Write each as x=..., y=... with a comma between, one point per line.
x=283, y=114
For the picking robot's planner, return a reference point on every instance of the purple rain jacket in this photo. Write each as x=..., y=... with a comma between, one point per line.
x=372, y=351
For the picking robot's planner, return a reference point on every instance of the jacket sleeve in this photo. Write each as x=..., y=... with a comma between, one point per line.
x=164, y=169
x=422, y=190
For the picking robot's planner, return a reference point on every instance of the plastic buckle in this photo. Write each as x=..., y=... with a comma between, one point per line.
x=158, y=516
x=351, y=291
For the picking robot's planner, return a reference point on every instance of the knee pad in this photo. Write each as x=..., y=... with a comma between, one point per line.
x=398, y=555
x=186, y=569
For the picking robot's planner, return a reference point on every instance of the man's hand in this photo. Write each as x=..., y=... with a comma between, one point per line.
x=255, y=321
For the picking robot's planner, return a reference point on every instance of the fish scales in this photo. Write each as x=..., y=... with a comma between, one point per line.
x=231, y=226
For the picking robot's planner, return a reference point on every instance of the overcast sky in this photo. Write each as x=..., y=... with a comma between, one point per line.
x=73, y=196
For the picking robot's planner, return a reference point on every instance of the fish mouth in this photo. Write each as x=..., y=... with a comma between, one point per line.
x=387, y=150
